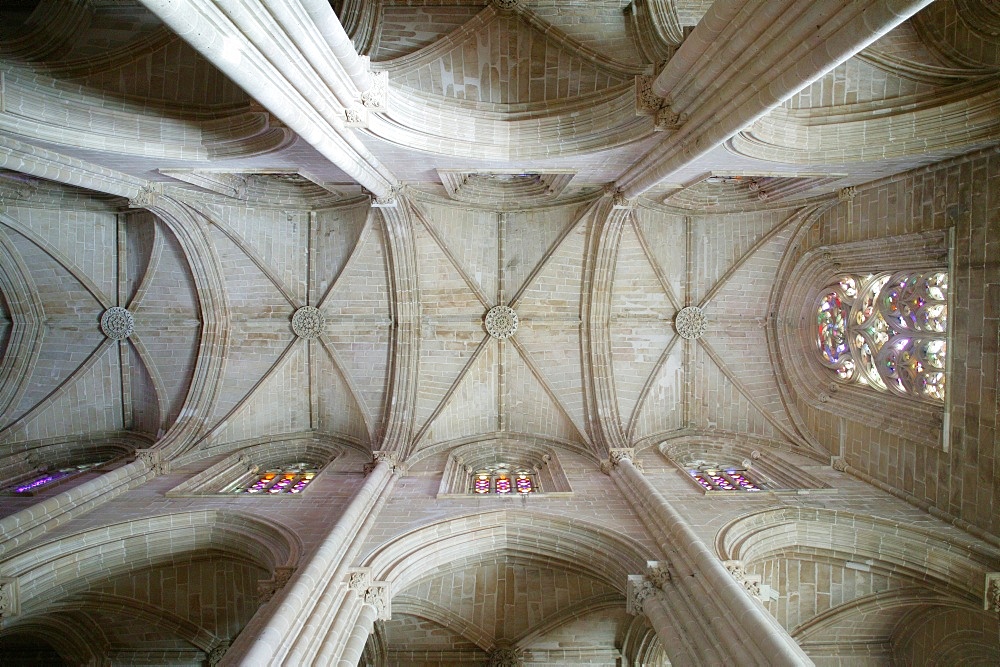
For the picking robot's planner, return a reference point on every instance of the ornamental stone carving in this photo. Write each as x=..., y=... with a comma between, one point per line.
x=501, y=322
x=658, y=573
x=750, y=582
x=505, y=5
x=847, y=194
x=359, y=579
x=8, y=597
x=145, y=198
x=153, y=459
x=505, y=657
x=376, y=98
x=356, y=117
x=619, y=201
x=637, y=591
x=991, y=599
x=377, y=595
x=215, y=655
x=117, y=323
x=307, y=322
x=395, y=465
x=691, y=323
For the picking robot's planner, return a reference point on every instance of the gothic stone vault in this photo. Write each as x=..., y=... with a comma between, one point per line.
x=481, y=332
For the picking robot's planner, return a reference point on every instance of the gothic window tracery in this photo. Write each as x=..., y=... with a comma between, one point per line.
x=287, y=479
x=725, y=479
x=887, y=331
x=46, y=478
x=503, y=481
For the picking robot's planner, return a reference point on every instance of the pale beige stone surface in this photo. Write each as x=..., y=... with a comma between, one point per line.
x=217, y=166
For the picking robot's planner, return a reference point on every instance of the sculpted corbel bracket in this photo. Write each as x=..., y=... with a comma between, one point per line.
x=648, y=103
x=642, y=587
x=376, y=98
x=750, y=582
x=616, y=455
x=991, y=596
x=395, y=465
x=153, y=459
x=147, y=196
x=9, y=602
x=266, y=588
x=374, y=593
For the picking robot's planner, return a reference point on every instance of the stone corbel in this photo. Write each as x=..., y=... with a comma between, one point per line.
x=266, y=588
x=147, y=196
x=641, y=587
x=153, y=458
x=356, y=117
x=750, y=582
x=359, y=579
x=215, y=655
x=390, y=200
x=847, y=194
x=991, y=596
x=395, y=465
x=648, y=103
x=377, y=595
x=376, y=98
x=9, y=602
x=620, y=202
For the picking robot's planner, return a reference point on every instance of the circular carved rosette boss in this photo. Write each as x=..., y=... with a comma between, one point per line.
x=307, y=322
x=117, y=323
x=691, y=323
x=501, y=322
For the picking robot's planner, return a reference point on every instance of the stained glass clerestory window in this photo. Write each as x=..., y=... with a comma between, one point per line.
x=887, y=331
x=503, y=481
x=288, y=479
x=46, y=478
x=728, y=479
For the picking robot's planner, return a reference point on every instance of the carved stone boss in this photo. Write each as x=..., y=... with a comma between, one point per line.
x=642, y=587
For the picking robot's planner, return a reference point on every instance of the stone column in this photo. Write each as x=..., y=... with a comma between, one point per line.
x=314, y=612
x=374, y=606
x=719, y=612
x=650, y=594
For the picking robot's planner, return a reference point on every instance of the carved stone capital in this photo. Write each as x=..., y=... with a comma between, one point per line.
x=376, y=98
x=359, y=579
x=215, y=655
x=505, y=656
x=620, y=202
x=637, y=591
x=266, y=588
x=658, y=573
x=750, y=582
x=847, y=194
x=991, y=598
x=146, y=197
x=395, y=465
x=617, y=454
x=153, y=459
x=647, y=103
x=390, y=200
x=839, y=463
x=668, y=120
x=9, y=603
x=356, y=117
x=377, y=595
